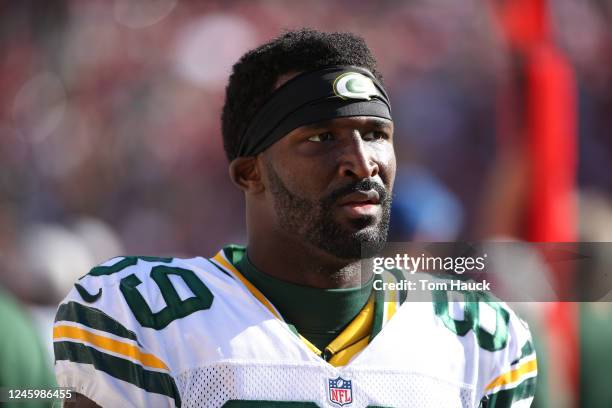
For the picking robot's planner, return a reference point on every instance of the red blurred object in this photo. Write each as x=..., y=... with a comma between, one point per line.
x=551, y=138
x=545, y=109
x=525, y=22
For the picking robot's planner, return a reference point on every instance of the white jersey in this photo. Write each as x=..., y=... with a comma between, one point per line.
x=153, y=332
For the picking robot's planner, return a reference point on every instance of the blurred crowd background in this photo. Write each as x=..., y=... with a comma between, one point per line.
x=110, y=123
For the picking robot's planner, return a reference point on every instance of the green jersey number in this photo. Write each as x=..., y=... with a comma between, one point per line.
x=176, y=308
x=471, y=319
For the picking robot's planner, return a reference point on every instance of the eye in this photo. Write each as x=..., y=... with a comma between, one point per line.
x=375, y=135
x=321, y=137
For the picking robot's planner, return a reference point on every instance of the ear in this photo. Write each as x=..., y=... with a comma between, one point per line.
x=246, y=174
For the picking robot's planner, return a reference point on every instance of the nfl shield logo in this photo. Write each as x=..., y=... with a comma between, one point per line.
x=340, y=391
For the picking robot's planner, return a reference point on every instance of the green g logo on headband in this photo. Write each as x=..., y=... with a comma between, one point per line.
x=353, y=85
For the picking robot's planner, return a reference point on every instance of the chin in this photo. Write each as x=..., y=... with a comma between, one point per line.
x=367, y=223
x=360, y=243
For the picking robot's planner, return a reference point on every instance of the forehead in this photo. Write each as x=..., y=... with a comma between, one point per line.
x=356, y=122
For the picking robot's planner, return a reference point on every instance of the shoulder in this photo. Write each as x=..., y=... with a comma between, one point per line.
x=111, y=331
x=500, y=339
x=133, y=287
x=471, y=314
x=116, y=269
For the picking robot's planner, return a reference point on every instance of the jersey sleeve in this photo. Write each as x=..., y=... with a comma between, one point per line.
x=512, y=380
x=99, y=347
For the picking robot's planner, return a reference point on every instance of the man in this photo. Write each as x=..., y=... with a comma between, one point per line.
x=291, y=321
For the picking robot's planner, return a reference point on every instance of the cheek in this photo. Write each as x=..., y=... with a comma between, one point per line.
x=388, y=164
x=305, y=178
x=392, y=171
x=295, y=169
x=312, y=184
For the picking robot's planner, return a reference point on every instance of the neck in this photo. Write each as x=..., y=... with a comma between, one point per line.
x=282, y=257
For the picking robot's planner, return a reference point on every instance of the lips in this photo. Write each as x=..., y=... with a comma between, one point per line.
x=360, y=198
x=361, y=204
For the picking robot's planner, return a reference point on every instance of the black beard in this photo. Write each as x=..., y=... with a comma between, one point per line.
x=313, y=220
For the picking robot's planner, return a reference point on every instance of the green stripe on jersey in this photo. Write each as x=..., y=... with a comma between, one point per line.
x=92, y=318
x=525, y=351
x=150, y=381
x=505, y=398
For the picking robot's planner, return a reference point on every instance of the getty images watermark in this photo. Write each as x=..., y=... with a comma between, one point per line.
x=512, y=271
x=430, y=270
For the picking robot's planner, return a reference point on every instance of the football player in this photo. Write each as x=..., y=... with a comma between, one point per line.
x=291, y=320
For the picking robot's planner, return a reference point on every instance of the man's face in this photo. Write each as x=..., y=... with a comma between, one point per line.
x=330, y=183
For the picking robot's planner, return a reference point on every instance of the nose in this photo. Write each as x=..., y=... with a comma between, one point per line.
x=358, y=160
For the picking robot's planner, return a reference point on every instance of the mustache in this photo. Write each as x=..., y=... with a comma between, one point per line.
x=363, y=185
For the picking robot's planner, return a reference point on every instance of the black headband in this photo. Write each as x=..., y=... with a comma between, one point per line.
x=312, y=97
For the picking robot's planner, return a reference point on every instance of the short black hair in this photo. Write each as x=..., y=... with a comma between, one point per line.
x=255, y=74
